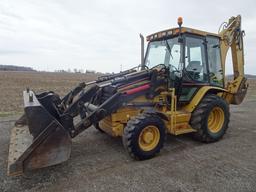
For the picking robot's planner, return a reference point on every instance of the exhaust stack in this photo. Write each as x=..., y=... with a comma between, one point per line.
x=142, y=51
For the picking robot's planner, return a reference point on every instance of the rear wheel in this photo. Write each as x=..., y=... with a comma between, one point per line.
x=210, y=119
x=144, y=136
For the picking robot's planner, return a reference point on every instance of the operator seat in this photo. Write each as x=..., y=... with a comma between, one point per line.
x=194, y=68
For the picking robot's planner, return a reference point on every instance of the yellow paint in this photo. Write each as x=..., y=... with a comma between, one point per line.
x=114, y=124
x=186, y=129
x=199, y=96
x=110, y=127
x=237, y=90
x=149, y=138
x=216, y=120
x=177, y=121
x=232, y=38
x=175, y=31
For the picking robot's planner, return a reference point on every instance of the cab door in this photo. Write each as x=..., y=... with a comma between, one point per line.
x=214, y=60
x=195, y=73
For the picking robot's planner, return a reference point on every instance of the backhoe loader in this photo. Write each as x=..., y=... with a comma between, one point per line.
x=179, y=87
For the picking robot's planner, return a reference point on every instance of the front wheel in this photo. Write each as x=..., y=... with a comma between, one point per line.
x=210, y=118
x=144, y=136
x=97, y=126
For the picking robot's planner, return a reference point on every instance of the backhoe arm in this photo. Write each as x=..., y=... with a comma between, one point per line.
x=232, y=37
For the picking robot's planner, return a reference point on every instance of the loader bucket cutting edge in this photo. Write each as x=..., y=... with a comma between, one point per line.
x=50, y=146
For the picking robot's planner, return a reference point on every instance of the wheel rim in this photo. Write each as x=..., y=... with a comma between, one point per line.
x=216, y=119
x=149, y=138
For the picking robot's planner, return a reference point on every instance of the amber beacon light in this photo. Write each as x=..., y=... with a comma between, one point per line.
x=180, y=21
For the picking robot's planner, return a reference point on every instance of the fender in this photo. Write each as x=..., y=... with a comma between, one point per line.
x=199, y=96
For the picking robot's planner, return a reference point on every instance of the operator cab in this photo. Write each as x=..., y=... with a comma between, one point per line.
x=191, y=56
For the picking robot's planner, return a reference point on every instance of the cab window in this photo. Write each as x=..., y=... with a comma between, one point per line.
x=214, y=60
x=195, y=59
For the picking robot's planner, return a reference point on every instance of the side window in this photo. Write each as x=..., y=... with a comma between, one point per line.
x=156, y=55
x=214, y=60
x=195, y=61
x=173, y=53
x=196, y=54
x=175, y=56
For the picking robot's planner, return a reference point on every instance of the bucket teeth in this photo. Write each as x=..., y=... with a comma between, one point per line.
x=20, y=141
x=38, y=138
x=51, y=147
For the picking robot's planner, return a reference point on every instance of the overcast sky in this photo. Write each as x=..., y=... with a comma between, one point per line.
x=103, y=35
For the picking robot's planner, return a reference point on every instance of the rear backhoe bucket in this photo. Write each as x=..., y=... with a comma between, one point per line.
x=239, y=96
x=37, y=140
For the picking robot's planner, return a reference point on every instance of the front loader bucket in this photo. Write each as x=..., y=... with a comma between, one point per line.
x=37, y=140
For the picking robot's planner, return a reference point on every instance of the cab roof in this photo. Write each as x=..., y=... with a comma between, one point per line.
x=175, y=31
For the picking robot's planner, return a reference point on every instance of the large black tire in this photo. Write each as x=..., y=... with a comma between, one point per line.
x=135, y=132
x=201, y=119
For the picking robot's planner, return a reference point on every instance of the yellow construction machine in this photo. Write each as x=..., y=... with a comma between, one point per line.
x=180, y=87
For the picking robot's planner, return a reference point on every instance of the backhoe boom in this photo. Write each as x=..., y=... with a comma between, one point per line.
x=232, y=37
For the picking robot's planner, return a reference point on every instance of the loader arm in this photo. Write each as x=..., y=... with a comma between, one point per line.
x=232, y=37
x=42, y=136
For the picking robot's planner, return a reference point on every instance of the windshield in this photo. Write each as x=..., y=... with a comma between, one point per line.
x=165, y=52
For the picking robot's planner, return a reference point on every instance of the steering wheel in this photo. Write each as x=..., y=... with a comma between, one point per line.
x=159, y=66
